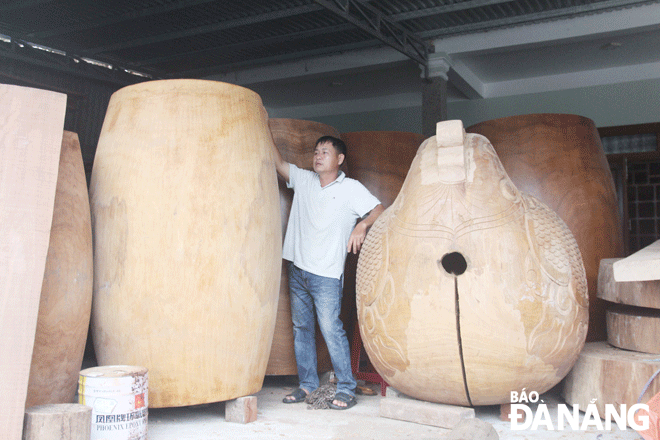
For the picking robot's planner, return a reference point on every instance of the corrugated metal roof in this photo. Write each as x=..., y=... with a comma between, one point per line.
x=194, y=38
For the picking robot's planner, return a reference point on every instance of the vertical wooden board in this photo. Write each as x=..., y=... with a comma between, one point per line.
x=31, y=127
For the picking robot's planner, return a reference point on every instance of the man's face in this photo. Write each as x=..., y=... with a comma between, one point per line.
x=326, y=158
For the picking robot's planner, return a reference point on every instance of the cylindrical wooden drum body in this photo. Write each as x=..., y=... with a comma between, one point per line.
x=380, y=160
x=187, y=239
x=295, y=140
x=66, y=292
x=560, y=160
x=468, y=289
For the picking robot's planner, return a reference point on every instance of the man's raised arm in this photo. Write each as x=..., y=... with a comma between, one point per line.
x=281, y=166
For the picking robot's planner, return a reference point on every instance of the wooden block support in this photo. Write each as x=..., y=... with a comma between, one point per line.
x=62, y=421
x=632, y=293
x=643, y=265
x=610, y=375
x=398, y=406
x=241, y=410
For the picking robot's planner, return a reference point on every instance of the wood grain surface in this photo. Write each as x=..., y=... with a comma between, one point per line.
x=634, y=328
x=632, y=293
x=66, y=293
x=31, y=126
x=559, y=159
x=467, y=288
x=187, y=239
x=295, y=139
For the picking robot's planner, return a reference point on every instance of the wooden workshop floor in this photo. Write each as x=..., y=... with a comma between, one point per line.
x=277, y=420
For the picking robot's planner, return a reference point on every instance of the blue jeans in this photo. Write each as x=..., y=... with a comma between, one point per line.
x=313, y=293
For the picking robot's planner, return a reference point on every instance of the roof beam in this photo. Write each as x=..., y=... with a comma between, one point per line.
x=244, y=45
x=294, y=56
x=66, y=64
x=372, y=21
x=106, y=21
x=227, y=24
x=23, y=5
x=568, y=12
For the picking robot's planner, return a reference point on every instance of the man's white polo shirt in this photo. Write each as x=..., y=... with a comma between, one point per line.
x=322, y=219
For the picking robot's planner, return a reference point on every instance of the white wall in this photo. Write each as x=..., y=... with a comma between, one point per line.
x=628, y=103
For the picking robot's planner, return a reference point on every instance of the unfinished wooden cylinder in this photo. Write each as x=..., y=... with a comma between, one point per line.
x=380, y=160
x=187, y=239
x=66, y=292
x=295, y=140
x=467, y=288
x=560, y=160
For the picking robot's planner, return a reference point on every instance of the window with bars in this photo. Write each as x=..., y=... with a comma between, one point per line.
x=634, y=155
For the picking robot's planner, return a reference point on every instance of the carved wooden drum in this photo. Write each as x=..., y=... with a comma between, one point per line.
x=188, y=240
x=560, y=160
x=467, y=288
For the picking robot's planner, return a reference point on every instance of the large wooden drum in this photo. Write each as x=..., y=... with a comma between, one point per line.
x=295, y=140
x=560, y=160
x=66, y=292
x=187, y=239
x=467, y=288
x=380, y=160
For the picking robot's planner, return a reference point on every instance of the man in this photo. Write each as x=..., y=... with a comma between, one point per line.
x=320, y=233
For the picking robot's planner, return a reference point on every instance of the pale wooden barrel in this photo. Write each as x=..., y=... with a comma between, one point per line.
x=187, y=239
x=66, y=292
x=295, y=139
x=560, y=160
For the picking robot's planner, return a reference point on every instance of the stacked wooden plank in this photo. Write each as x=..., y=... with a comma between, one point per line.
x=618, y=371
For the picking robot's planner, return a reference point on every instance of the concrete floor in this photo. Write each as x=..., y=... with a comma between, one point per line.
x=277, y=420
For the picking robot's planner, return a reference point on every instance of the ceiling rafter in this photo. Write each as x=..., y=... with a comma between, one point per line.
x=228, y=24
x=116, y=19
x=244, y=45
x=551, y=14
x=373, y=21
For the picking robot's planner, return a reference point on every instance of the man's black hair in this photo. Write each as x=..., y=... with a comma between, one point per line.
x=339, y=145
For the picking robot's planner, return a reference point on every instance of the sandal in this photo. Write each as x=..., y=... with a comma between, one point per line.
x=299, y=395
x=341, y=396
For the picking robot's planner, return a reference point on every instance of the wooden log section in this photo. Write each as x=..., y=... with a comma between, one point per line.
x=610, y=376
x=187, y=239
x=66, y=293
x=64, y=421
x=632, y=293
x=634, y=328
x=560, y=160
x=295, y=140
x=30, y=141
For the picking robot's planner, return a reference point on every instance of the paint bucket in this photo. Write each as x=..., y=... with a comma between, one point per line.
x=118, y=395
